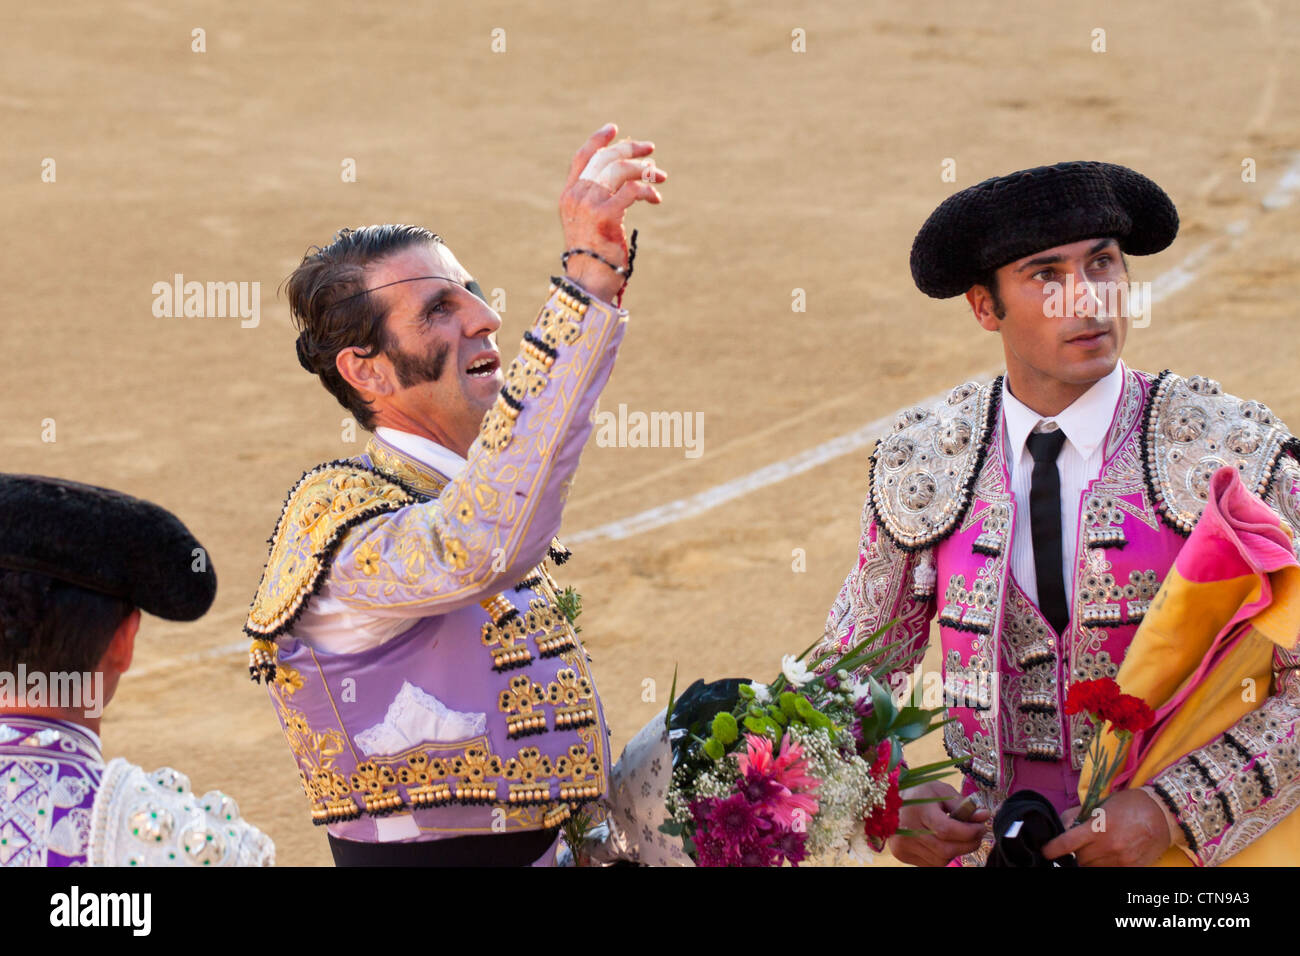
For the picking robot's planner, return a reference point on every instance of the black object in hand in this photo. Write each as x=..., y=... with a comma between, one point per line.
x=1039, y=824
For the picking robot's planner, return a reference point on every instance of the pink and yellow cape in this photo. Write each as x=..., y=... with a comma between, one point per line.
x=1203, y=655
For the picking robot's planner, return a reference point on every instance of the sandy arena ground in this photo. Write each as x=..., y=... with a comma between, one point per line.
x=789, y=171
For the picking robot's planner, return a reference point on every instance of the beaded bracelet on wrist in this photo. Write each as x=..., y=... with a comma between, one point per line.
x=624, y=271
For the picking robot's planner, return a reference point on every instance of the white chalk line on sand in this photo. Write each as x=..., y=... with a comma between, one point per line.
x=1164, y=285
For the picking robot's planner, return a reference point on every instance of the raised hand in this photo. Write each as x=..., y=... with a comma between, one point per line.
x=605, y=178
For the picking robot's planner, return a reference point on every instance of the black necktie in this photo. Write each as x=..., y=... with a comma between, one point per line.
x=1045, y=524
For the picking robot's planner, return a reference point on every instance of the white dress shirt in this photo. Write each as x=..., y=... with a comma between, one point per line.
x=329, y=625
x=1086, y=423
x=425, y=450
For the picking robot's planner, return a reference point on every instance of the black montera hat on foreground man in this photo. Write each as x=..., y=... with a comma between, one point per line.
x=105, y=541
x=984, y=227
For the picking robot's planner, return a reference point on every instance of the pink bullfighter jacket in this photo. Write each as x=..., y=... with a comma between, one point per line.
x=936, y=534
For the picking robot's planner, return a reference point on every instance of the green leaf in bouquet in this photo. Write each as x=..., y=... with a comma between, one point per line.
x=804, y=709
x=867, y=650
x=907, y=781
x=765, y=726
x=713, y=747
x=909, y=732
x=788, y=703
x=937, y=765
x=672, y=699
x=882, y=706
x=672, y=828
x=911, y=715
x=819, y=721
x=725, y=728
x=778, y=715
x=853, y=661
x=804, y=653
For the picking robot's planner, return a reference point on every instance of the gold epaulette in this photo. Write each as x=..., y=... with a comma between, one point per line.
x=324, y=503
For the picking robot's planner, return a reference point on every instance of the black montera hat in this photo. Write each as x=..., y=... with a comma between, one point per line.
x=105, y=541
x=1000, y=220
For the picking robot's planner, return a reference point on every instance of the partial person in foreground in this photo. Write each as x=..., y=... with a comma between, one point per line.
x=77, y=565
x=1037, y=516
x=418, y=650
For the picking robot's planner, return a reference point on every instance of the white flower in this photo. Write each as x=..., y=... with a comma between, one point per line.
x=761, y=693
x=849, y=685
x=859, y=849
x=796, y=672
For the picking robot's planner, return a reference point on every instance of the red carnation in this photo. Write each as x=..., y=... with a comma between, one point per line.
x=1091, y=696
x=884, y=753
x=1129, y=713
x=882, y=822
x=1103, y=701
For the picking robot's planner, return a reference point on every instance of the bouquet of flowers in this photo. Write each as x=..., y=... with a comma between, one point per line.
x=807, y=766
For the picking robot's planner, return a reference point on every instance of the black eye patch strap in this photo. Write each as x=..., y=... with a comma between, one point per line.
x=472, y=286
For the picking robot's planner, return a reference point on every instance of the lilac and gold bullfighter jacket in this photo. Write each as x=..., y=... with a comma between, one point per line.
x=936, y=533
x=481, y=716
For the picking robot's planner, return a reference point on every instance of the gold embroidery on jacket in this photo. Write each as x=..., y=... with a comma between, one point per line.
x=550, y=628
x=475, y=771
x=530, y=768
x=409, y=471
x=521, y=702
x=315, y=752
x=583, y=770
x=507, y=643
x=377, y=786
x=593, y=735
x=319, y=510
x=573, y=700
